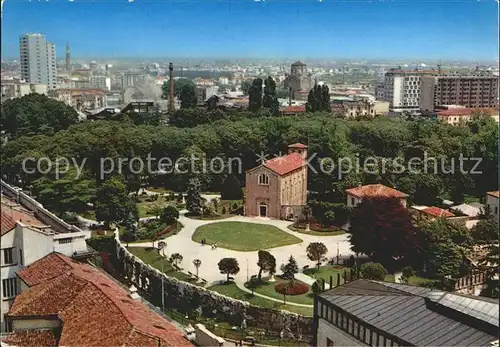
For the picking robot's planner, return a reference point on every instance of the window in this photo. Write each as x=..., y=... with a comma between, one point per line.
x=8, y=256
x=263, y=179
x=65, y=241
x=329, y=343
x=496, y=209
x=21, y=260
x=10, y=288
x=352, y=201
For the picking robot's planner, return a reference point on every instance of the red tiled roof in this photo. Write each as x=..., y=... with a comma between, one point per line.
x=459, y=111
x=91, y=306
x=293, y=109
x=7, y=223
x=32, y=338
x=297, y=145
x=285, y=164
x=495, y=194
x=437, y=212
x=375, y=190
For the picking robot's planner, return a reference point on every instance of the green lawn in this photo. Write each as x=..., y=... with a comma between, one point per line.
x=316, y=233
x=325, y=272
x=240, y=236
x=233, y=291
x=150, y=256
x=267, y=288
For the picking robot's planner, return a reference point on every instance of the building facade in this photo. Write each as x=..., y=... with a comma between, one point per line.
x=299, y=78
x=16, y=89
x=461, y=115
x=468, y=91
x=38, y=60
x=356, y=195
x=278, y=187
x=402, y=89
x=82, y=99
x=100, y=82
x=372, y=313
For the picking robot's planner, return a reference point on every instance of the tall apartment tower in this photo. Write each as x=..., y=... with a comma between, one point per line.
x=68, y=58
x=38, y=60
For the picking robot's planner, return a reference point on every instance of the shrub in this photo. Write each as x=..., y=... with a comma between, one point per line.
x=291, y=288
x=317, y=288
x=373, y=271
x=235, y=206
x=224, y=210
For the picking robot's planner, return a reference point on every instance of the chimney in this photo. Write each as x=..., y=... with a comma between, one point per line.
x=171, y=82
x=290, y=97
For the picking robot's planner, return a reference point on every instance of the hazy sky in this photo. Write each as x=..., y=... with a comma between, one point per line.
x=400, y=29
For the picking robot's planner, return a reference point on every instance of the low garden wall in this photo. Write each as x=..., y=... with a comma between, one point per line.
x=191, y=299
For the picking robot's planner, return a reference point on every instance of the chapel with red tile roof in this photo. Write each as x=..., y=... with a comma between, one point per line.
x=357, y=194
x=69, y=303
x=278, y=187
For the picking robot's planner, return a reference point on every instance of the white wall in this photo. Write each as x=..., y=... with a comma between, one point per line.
x=492, y=202
x=336, y=335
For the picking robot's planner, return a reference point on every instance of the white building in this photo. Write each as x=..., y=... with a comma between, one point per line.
x=402, y=89
x=129, y=79
x=38, y=60
x=492, y=202
x=16, y=88
x=100, y=82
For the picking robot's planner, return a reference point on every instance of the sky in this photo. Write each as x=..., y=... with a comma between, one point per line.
x=280, y=29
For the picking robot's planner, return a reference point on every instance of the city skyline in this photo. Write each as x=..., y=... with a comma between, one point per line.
x=273, y=30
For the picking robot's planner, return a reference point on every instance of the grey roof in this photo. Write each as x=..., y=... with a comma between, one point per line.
x=467, y=209
x=404, y=311
x=299, y=63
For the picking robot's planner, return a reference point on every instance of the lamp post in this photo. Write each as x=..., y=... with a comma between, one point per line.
x=247, y=269
x=338, y=253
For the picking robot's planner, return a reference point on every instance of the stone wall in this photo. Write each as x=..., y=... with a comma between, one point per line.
x=185, y=296
x=205, y=337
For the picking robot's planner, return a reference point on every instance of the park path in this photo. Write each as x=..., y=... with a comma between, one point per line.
x=245, y=289
x=182, y=243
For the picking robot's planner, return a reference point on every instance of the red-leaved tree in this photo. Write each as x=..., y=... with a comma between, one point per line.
x=382, y=229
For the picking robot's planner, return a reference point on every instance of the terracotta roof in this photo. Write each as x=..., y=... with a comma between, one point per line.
x=7, y=223
x=293, y=109
x=459, y=111
x=375, y=190
x=79, y=293
x=285, y=164
x=495, y=194
x=437, y=212
x=297, y=145
x=32, y=338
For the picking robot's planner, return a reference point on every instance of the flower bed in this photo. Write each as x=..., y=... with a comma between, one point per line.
x=291, y=288
x=315, y=226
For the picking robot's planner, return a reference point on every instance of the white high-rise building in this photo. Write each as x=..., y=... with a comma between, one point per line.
x=38, y=60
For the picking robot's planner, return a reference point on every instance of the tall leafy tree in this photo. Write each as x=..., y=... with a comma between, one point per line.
x=231, y=188
x=316, y=251
x=382, y=229
x=255, y=95
x=179, y=83
x=266, y=263
x=169, y=215
x=229, y=266
x=35, y=114
x=188, y=96
x=112, y=202
x=270, y=99
x=193, y=199
x=318, y=99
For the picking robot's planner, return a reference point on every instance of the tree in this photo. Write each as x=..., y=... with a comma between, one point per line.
x=318, y=99
x=245, y=87
x=373, y=271
x=128, y=236
x=266, y=263
x=130, y=224
x=193, y=199
x=382, y=229
x=317, y=287
x=197, y=264
x=169, y=215
x=161, y=247
x=290, y=269
x=188, y=97
x=491, y=261
x=178, y=85
x=306, y=211
x=270, y=100
x=176, y=259
x=112, y=203
x=486, y=230
x=215, y=203
x=231, y=188
x=253, y=283
x=255, y=95
x=35, y=114
x=316, y=251
x=229, y=266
